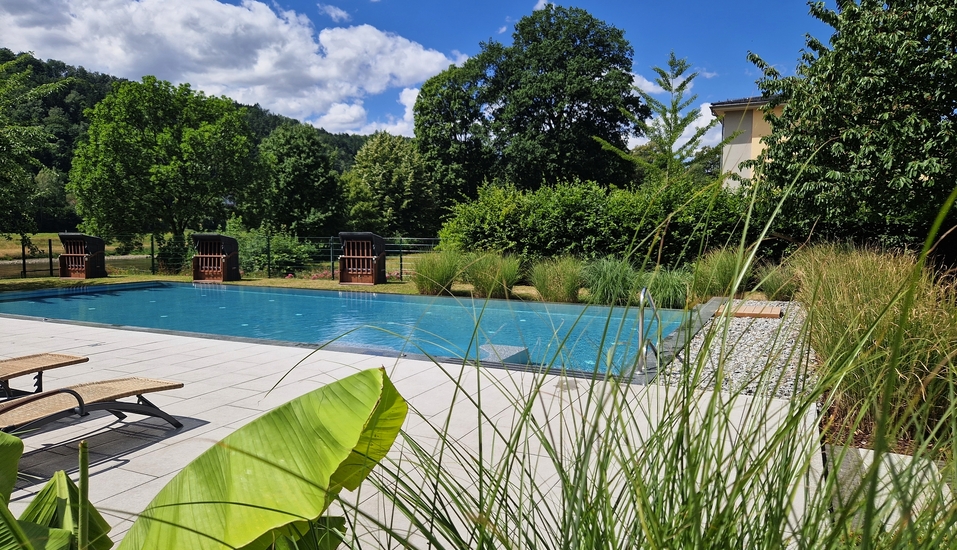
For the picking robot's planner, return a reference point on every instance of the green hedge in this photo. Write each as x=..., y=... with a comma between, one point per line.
x=669, y=224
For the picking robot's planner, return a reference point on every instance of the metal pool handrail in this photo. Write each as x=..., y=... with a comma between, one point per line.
x=644, y=341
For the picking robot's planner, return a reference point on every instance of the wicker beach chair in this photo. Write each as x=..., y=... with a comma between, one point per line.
x=32, y=364
x=33, y=411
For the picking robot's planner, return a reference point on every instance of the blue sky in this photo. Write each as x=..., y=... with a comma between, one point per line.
x=357, y=65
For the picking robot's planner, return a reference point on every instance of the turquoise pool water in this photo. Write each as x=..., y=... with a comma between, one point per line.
x=588, y=339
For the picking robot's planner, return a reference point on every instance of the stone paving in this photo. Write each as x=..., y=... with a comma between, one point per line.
x=228, y=384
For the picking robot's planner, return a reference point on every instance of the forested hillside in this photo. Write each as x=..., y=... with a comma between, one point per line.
x=59, y=114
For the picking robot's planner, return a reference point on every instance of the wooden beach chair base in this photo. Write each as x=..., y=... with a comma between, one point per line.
x=33, y=411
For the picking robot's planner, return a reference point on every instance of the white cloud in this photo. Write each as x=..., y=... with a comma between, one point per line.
x=707, y=74
x=646, y=85
x=251, y=52
x=540, y=5
x=342, y=117
x=712, y=137
x=502, y=29
x=337, y=14
x=398, y=127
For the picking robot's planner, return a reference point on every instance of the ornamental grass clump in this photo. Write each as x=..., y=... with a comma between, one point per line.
x=777, y=281
x=435, y=272
x=491, y=274
x=879, y=315
x=668, y=287
x=611, y=281
x=557, y=279
x=717, y=272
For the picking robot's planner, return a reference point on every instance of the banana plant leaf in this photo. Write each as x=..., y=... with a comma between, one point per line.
x=18, y=534
x=326, y=533
x=272, y=477
x=57, y=505
x=23, y=535
x=11, y=447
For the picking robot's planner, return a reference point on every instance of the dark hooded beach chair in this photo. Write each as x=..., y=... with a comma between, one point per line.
x=363, y=259
x=216, y=258
x=31, y=412
x=83, y=256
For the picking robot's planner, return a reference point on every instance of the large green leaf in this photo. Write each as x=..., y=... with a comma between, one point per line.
x=274, y=475
x=10, y=450
x=23, y=535
x=57, y=505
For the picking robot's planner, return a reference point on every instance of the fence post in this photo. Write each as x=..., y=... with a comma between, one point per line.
x=400, y=259
x=23, y=256
x=332, y=260
x=50, y=251
x=152, y=256
x=268, y=256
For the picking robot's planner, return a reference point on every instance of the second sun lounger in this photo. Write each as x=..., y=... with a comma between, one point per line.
x=33, y=411
x=32, y=364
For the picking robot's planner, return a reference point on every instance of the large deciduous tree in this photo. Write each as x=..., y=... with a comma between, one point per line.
x=19, y=145
x=873, y=116
x=300, y=189
x=391, y=189
x=161, y=159
x=529, y=112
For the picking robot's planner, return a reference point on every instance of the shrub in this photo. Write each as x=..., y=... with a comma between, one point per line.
x=491, y=275
x=610, y=281
x=716, y=272
x=557, y=279
x=260, y=250
x=667, y=223
x=435, y=272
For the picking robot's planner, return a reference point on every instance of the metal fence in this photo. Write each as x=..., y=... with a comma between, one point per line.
x=263, y=256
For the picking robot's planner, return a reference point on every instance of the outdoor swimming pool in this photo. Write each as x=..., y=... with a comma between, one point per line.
x=587, y=339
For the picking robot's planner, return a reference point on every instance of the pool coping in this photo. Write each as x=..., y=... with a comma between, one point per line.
x=667, y=348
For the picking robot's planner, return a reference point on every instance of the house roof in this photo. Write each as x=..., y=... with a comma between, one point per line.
x=721, y=107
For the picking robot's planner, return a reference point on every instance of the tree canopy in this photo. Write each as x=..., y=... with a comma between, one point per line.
x=528, y=113
x=19, y=143
x=160, y=159
x=299, y=190
x=674, y=147
x=873, y=116
x=391, y=189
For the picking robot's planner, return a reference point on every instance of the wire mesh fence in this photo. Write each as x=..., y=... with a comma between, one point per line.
x=260, y=254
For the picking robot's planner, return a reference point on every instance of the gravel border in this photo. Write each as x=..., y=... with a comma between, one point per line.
x=767, y=357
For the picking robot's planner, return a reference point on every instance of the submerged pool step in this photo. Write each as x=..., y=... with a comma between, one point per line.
x=504, y=354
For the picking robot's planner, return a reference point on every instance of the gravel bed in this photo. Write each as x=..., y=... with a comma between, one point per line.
x=759, y=356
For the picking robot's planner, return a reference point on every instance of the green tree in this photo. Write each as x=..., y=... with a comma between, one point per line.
x=674, y=147
x=161, y=159
x=451, y=128
x=529, y=112
x=873, y=116
x=19, y=143
x=391, y=189
x=300, y=189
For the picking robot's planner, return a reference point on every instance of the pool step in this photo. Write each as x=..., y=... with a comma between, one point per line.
x=504, y=354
